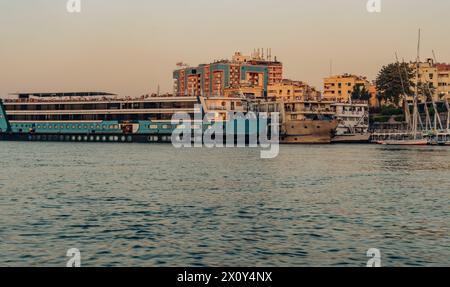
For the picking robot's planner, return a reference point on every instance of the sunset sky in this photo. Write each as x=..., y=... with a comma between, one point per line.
x=129, y=47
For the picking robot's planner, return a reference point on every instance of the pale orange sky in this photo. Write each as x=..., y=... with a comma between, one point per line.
x=129, y=47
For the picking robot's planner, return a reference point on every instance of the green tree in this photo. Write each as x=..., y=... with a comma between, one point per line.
x=360, y=92
x=389, y=82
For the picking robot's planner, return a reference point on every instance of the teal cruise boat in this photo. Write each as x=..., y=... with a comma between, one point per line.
x=106, y=117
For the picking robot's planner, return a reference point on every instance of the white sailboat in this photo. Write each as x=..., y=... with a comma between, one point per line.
x=414, y=137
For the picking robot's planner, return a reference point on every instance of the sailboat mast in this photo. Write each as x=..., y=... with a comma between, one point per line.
x=434, y=102
x=416, y=92
x=448, y=114
x=405, y=94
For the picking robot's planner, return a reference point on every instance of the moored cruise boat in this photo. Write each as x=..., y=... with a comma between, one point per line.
x=105, y=117
x=90, y=117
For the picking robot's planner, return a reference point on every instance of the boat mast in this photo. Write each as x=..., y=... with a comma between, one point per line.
x=405, y=94
x=434, y=103
x=448, y=114
x=428, y=123
x=416, y=92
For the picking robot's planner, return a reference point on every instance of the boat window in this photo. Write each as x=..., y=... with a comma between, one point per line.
x=153, y=127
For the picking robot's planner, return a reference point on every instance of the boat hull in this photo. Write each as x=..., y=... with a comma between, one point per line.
x=362, y=138
x=116, y=138
x=308, y=132
x=406, y=142
x=93, y=138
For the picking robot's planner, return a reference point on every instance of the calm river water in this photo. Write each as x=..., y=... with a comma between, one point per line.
x=153, y=205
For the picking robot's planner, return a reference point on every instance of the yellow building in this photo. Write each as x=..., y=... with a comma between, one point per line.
x=288, y=90
x=436, y=74
x=339, y=88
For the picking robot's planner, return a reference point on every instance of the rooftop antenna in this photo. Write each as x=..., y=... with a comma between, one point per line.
x=331, y=67
x=434, y=57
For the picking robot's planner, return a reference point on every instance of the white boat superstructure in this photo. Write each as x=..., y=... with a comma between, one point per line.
x=353, y=119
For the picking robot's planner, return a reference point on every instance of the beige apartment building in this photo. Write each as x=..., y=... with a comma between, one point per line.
x=437, y=74
x=339, y=88
x=289, y=90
